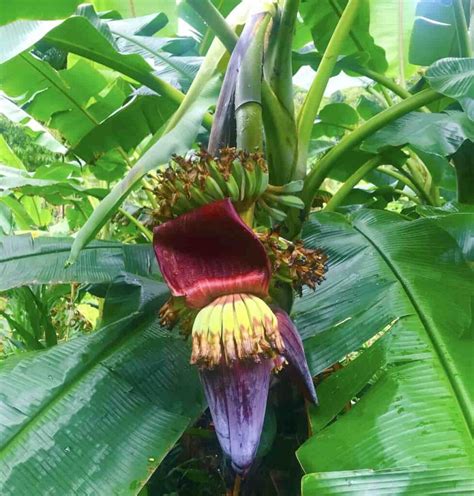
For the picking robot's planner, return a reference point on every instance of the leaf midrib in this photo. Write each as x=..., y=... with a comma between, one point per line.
x=431, y=331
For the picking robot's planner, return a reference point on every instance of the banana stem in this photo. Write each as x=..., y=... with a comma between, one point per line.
x=248, y=93
x=146, y=232
x=411, y=197
x=462, y=29
x=217, y=24
x=315, y=178
x=408, y=181
x=313, y=99
x=352, y=181
x=247, y=215
x=282, y=74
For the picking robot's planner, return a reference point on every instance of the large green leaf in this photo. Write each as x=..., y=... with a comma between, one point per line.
x=379, y=265
x=437, y=133
x=73, y=100
x=80, y=36
x=413, y=482
x=26, y=260
x=436, y=32
x=97, y=414
x=146, y=25
x=46, y=9
x=52, y=183
x=127, y=127
x=391, y=24
x=88, y=36
x=452, y=77
x=134, y=8
x=21, y=35
x=177, y=70
x=390, y=274
x=455, y=78
x=323, y=20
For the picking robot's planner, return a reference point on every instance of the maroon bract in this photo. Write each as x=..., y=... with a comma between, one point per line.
x=213, y=260
x=210, y=252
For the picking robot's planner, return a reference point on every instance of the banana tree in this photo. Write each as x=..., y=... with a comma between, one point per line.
x=239, y=227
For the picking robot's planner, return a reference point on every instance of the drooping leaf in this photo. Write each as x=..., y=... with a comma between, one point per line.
x=127, y=127
x=25, y=261
x=126, y=37
x=46, y=182
x=141, y=26
x=177, y=70
x=78, y=35
x=20, y=35
x=437, y=133
x=105, y=407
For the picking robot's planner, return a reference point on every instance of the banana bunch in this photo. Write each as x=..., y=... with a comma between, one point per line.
x=241, y=176
x=190, y=182
x=276, y=198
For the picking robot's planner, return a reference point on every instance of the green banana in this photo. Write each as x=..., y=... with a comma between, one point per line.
x=213, y=188
x=251, y=182
x=238, y=172
x=293, y=187
x=217, y=176
x=276, y=214
x=261, y=179
x=287, y=200
x=233, y=188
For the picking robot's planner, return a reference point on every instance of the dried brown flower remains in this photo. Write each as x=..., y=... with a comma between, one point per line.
x=292, y=262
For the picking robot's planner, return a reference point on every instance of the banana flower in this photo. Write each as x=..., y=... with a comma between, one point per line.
x=218, y=266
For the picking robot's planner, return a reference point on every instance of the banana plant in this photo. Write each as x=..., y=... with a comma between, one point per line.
x=263, y=249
